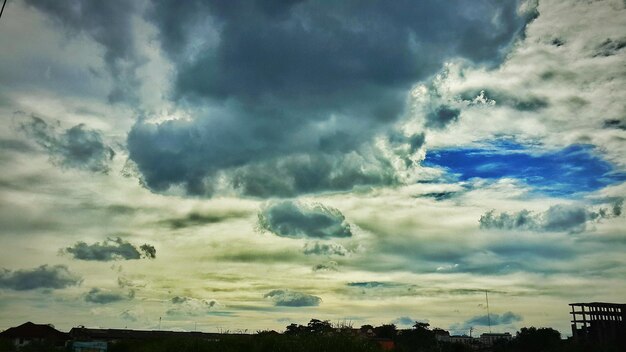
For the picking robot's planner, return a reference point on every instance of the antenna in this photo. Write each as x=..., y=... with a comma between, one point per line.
x=159, y=323
x=2, y=10
x=488, y=314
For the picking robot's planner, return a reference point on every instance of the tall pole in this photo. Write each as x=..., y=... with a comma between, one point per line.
x=2, y=10
x=488, y=314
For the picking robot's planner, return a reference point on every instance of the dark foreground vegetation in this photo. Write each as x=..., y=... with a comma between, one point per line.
x=321, y=336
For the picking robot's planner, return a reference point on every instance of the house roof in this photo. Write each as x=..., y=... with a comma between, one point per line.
x=30, y=330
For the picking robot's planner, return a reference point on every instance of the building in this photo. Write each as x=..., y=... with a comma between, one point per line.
x=28, y=333
x=488, y=339
x=599, y=323
x=462, y=339
x=441, y=335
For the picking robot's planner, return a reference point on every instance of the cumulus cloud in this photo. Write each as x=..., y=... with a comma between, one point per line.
x=186, y=306
x=325, y=249
x=494, y=319
x=76, y=147
x=110, y=249
x=102, y=296
x=344, y=82
x=486, y=320
x=288, y=298
x=543, y=106
x=569, y=218
x=52, y=277
x=298, y=220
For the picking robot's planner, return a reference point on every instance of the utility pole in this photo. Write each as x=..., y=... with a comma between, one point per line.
x=2, y=10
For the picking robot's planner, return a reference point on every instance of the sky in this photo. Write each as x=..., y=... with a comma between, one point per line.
x=245, y=165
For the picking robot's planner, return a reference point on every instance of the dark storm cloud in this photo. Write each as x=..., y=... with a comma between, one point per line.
x=406, y=146
x=308, y=78
x=309, y=173
x=288, y=298
x=297, y=220
x=110, y=249
x=569, y=218
x=99, y=296
x=110, y=24
x=441, y=117
x=77, y=147
x=324, y=249
x=254, y=167
x=51, y=277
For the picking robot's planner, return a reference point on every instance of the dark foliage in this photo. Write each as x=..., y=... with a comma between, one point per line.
x=386, y=331
x=262, y=342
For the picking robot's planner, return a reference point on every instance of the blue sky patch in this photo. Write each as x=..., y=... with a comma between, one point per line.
x=557, y=173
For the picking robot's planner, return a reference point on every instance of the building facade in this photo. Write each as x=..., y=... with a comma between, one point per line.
x=599, y=323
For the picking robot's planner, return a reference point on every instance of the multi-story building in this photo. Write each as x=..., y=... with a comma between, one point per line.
x=599, y=323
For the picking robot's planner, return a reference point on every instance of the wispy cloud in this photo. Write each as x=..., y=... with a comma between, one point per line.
x=103, y=296
x=76, y=147
x=569, y=218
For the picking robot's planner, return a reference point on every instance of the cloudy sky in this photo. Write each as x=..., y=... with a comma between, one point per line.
x=248, y=164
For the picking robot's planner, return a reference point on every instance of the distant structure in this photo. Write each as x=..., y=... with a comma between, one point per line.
x=441, y=335
x=599, y=323
x=488, y=339
x=462, y=339
x=29, y=333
